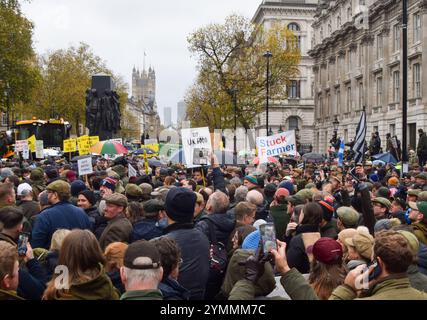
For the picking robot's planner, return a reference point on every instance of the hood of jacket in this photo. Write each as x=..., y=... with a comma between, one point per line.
x=236, y=272
x=221, y=221
x=172, y=290
x=100, y=288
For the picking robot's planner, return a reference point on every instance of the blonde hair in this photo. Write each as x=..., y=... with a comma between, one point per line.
x=8, y=258
x=114, y=255
x=57, y=239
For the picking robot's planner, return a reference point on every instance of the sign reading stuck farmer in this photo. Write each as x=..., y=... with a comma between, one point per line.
x=282, y=143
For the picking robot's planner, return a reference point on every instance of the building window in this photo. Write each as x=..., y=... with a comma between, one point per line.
x=338, y=22
x=396, y=86
x=293, y=123
x=348, y=100
x=379, y=91
x=417, y=80
x=360, y=55
x=392, y=129
x=349, y=13
x=379, y=46
x=329, y=29
x=321, y=106
x=361, y=2
x=294, y=90
x=396, y=37
x=321, y=33
x=294, y=27
x=4, y=120
x=361, y=95
x=417, y=27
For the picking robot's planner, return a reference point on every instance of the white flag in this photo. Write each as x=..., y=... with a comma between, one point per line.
x=132, y=172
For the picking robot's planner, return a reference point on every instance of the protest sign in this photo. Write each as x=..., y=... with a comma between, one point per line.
x=32, y=143
x=85, y=166
x=83, y=143
x=118, y=140
x=39, y=149
x=70, y=145
x=132, y=171
x=20, y=145
x=26, y=152
x=93, y=140
x=197, y=146
x=282, y=143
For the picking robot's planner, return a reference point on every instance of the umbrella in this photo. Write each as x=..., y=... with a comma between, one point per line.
x=108, y=147
x=378, y=162
x=155, y=163
x=141, y=151
x=313, y=157
x=385, y=157
x=270, y=160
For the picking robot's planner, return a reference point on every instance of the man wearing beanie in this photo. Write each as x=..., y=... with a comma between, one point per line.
x=119, y=227
x=37, y=182
x=76, y=187
x=328, y=226
x=87, y=201
x=194, y=245
x=108, y=187
x=251, y=182
x=60, y=215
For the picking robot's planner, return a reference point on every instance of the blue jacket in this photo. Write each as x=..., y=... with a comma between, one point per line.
x=146, y=229
x=172, y=290
x=62, y=215
x=32, y=281
x=194, y=245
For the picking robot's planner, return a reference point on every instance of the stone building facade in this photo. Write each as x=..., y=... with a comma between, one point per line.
x=297, y=111
x=357, y=52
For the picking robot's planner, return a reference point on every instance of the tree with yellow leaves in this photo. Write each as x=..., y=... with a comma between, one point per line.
x=231, y=59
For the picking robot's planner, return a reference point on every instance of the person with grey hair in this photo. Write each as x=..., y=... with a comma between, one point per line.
x=43, y=200
x=239, y=196
x=255, y=197
x=25, y=201
x=142, y=272
x=217, y=227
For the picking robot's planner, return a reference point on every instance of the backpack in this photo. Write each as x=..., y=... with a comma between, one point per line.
x=218, y=261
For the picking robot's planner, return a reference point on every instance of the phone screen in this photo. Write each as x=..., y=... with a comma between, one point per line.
x=268, y=237
x=22, y=244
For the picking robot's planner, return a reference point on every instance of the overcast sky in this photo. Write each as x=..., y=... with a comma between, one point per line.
x=120, y=31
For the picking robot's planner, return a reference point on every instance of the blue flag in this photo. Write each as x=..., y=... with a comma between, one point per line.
x=341, y=154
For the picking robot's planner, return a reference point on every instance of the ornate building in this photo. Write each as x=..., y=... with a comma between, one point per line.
x=144, y=98
x=297, y=111
x=357, y=53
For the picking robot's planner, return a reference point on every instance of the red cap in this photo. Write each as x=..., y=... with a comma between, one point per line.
x=328, y=251
x=281, y=192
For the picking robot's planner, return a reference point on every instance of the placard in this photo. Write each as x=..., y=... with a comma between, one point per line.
x=279, y=144
x=85, y=166
x=197, y=146
x=39, y=149
x=70, y=145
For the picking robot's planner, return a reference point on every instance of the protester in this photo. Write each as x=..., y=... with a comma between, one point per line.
x=25, y=201
x=87, y=279
x=119, y=228
x=114, y=256
x=61, y=215
x=153, y=223
x=9, y=268
x=141, y=272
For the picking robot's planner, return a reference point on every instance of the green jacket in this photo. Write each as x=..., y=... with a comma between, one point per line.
x=420, y=230
x=396, y=287
x=100, y=288
x=9, y=295
x=281, y=219
x=417, y=279
x=142, y=295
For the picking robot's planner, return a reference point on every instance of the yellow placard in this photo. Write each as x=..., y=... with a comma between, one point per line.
x=93, y=140
x=32, y=143
x=155, y=147
x=70, y=145
x=83, y=143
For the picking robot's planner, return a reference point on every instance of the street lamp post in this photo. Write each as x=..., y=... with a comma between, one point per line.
x=405, y=86
x=233, y=91
x=267, y=55
x=7, y=93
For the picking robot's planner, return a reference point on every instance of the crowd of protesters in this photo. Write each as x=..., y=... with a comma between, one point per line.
x=177, y=234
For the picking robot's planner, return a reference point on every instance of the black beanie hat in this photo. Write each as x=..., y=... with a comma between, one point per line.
x=180, y=204
x=328, y=209
x=89, y=195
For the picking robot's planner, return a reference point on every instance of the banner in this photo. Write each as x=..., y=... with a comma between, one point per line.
x=70, y=145
x=84, y=145
x=197, y=146
x=20, y=145
x=32, y=143
x=85, y=166
x=282, y=143
x=39, y=149
x=118, y=140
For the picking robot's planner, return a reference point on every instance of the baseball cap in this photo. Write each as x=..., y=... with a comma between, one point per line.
x=328, y=251
x=24, y=189
x=150, y=256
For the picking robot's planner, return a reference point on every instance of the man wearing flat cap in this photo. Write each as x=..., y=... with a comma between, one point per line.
x=142, y=272
x=381, y=208
x=60, y=215
x=154, y=222
x=119, y=227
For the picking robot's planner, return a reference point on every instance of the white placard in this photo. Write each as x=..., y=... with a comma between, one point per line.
x=272, y=146
x=119, y=140
x=85, y=166
x=39, y=149
x=20, y=145
x=132, y=172
x=197, y=146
